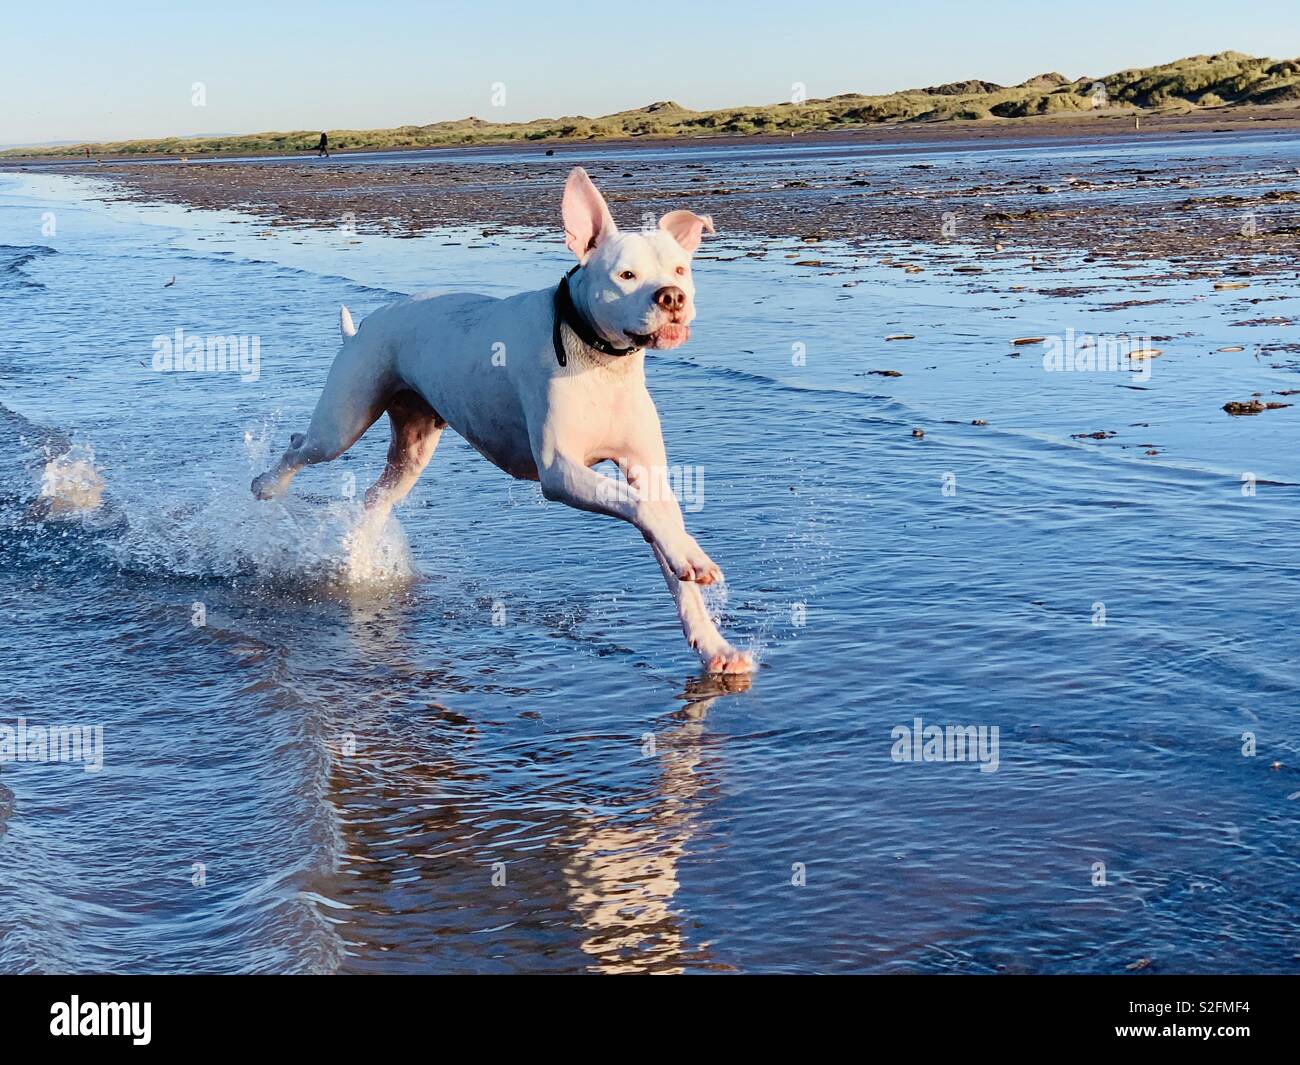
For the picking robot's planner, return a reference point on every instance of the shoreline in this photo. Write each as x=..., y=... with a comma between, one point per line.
x=1232, y=119
x=1184, y=206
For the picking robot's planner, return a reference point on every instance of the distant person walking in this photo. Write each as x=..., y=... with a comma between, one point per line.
x=323, y=148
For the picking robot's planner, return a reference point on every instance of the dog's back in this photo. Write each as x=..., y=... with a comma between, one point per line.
x=468, y=356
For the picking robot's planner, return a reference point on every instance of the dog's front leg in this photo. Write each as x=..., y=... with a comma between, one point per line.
x=573, y=484
x=677, y=547
x=659, y=519
x=716, y=654
x=567, y=481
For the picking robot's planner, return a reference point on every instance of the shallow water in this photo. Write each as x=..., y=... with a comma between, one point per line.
x=483, y=745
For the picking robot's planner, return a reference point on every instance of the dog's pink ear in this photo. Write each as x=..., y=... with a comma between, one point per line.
x=587, y=221
x=686, y=227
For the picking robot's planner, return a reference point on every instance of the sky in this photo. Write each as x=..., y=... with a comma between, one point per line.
x=116, y=69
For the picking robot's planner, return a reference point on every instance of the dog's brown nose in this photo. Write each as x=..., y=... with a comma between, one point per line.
x=671, y=298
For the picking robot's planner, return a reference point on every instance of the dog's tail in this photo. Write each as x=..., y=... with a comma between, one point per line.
x=345, y=324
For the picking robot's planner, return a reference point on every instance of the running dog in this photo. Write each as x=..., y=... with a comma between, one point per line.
x=545, y=385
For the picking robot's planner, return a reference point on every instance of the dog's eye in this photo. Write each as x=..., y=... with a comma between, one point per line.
x=681, y=271
x=627, y=275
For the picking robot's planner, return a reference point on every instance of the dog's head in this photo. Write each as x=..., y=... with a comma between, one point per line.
x=633, y=287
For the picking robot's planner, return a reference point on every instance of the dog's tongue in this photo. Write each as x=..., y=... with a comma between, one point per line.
x=671, y=335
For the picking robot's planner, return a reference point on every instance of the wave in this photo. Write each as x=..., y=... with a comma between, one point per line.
x=226, y=258
x=13, y=259
x=896, y=411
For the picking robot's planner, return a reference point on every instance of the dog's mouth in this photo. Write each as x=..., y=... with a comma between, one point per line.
x=671, y=335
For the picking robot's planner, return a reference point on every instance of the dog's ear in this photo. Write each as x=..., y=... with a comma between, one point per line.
x=687, y=228
x=587, y=221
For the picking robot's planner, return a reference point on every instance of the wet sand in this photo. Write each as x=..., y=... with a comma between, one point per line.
x=1008, y=190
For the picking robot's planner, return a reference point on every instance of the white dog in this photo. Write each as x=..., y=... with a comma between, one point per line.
x=544, y=385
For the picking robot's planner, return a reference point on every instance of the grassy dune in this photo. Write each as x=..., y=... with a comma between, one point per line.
x=1224, y=80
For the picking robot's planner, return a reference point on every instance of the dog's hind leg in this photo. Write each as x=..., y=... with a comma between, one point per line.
x=356, y=392
x=415, y=430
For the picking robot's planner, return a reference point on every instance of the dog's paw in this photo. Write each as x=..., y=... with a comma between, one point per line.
x=265, y=486
x=729, y=661
x=690, y=563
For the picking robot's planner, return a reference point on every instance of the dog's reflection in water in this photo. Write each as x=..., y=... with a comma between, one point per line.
x=519, y=857
x=623, y=877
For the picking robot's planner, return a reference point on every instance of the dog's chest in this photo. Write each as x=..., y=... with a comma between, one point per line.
x=599, y=410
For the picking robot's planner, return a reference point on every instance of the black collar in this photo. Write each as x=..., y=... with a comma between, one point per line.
x=568, y=314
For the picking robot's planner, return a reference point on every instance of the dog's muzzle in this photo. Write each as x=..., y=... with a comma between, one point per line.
x=672, y=301
x=669, y=335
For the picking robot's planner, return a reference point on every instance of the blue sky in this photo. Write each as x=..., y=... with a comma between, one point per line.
x=124, y=68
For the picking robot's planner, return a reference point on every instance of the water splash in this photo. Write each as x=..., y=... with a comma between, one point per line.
x=716, y=597
x=225, y=534
x=71, y=484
